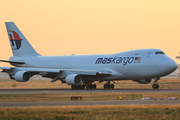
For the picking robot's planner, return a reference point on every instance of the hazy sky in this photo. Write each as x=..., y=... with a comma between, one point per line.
x=58, y=27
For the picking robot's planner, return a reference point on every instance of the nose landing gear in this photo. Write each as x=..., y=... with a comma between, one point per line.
x=155, y=84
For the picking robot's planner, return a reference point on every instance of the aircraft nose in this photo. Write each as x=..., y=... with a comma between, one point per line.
x=166, y=66
x=173, y=65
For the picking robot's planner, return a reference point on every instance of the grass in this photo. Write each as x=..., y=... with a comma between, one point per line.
x=86, y=96
x=14, y=85
x=123, y=112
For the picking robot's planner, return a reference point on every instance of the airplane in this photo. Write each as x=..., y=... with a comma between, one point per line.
x=81, y=71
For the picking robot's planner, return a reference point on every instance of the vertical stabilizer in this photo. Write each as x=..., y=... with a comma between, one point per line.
x=19, y=44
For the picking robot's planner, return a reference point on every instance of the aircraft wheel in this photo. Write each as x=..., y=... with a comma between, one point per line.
x=109, y=86
x=157, y=86
x=91, y=86
x=76, y=87
x=72, y=87
x=83, y=86
x=154, y=86
x=112, y=86
x=105, y=86
x=87, y=87
x=94, y=86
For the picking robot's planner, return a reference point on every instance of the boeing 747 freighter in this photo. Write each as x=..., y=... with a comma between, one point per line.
x=80, y=71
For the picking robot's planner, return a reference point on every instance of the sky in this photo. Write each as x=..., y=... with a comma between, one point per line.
x=59, y=27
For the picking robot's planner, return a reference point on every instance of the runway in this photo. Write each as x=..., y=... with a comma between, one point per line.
x=81, y=103
x=38, y=91
x=77, y=103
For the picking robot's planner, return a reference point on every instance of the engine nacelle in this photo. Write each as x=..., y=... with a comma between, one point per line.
x=73, y=79
x=146, y=81
x=22, y=76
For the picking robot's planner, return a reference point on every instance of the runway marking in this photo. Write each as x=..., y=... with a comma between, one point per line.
x=88, y=103
x=20, y=91
x=45, y=91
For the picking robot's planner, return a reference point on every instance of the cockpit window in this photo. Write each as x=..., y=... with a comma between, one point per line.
x=159, y=53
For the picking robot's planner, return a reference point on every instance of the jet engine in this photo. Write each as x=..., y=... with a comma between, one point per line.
x=22, y=76
x=145, y=81
x=73, y=79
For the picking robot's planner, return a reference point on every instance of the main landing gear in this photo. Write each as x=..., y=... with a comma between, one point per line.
x=155, y=84
x=77, y=87
x=91, y=86
x=108, y=85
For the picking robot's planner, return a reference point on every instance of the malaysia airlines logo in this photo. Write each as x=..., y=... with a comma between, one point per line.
x=15, y=39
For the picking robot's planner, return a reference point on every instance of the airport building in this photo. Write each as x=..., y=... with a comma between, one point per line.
x=178, y=69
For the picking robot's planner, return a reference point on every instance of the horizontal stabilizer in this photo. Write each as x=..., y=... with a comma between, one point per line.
x=12, y=62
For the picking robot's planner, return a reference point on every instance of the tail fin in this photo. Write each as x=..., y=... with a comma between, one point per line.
x=19, y=45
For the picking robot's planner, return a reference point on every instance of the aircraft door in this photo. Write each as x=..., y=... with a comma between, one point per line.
x=149, y=53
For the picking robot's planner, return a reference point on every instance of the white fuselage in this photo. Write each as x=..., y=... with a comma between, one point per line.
x=129, y=65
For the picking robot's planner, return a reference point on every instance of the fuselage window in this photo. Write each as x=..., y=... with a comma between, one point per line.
x=159, y=53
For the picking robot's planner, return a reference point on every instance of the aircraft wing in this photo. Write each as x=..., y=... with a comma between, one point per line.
x=45, y=71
